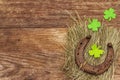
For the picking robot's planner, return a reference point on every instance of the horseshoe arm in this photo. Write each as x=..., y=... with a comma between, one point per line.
x=82, y=63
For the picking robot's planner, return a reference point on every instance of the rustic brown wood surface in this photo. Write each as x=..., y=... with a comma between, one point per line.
x=32, y=32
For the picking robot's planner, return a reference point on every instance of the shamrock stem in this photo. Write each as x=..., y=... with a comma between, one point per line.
x=89, y=20
x=109, y=19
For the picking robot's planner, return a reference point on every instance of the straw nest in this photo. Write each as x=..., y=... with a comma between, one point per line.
x=77, y=31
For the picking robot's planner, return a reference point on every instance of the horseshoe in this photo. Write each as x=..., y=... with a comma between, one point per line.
x=88, y=68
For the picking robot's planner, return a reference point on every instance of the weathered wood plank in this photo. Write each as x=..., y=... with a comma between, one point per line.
x=33, y=54
x=51, y=13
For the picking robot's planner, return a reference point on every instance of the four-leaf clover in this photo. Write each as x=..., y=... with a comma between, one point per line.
x=96, y=51
x=109, y=14
x=94, y=25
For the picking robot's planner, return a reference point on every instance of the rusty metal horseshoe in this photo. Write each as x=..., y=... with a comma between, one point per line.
x=88, y=68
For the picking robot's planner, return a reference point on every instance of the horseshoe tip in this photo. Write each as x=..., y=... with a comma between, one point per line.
x=88, y=37
x=109, y=44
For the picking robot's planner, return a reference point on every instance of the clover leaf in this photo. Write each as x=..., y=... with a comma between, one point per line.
x=96, y=51
x=109, y=14
x=94, y=25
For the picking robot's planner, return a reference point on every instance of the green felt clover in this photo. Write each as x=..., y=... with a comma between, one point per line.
x=96, y=51
x=109, y=14
x=94, y=25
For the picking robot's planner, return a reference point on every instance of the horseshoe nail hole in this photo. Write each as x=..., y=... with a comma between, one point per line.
x=81, y=43
x=98, y=70
x=110, y=61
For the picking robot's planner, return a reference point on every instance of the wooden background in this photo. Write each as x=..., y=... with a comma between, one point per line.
x=32, y=32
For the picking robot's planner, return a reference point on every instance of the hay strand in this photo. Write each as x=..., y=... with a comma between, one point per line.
x=105, y=35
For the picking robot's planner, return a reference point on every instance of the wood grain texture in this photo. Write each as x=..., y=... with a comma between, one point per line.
x=31, y=54
x=51, y=13
x=34, y=54
x=30, y=49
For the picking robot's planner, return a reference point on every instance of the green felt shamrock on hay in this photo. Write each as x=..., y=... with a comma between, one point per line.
x=109, y=14
x=94, y=25
x=96, y=51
